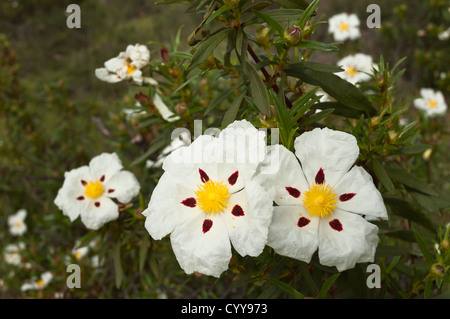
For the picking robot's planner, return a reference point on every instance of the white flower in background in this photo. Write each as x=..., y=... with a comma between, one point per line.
x=79, y=252
x=320, y=198
x=88, y=191
x=444, y=35
x=12, y=254
x=126, y=66
x=344, y=26
x=356, y=68
x=431, y=102
x=40, y=284
x=206, y=198
x=17, y=224
x=162, y=108
x=184, y=139
x=158, y=103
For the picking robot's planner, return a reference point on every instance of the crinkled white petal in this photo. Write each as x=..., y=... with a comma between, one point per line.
x=165, y=211
x=207, y=253
x=94, y=217
x=333, y=151
x=355, y=243
x=367, y=199
x=104, y=75
x=105, y=164
x=163, y=109
x=125, y=186
x=113, y=64
x=288, y=239
x=248, y=233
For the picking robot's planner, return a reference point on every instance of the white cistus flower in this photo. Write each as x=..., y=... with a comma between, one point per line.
x=431, y=103
x=126, y=66
x=323, y=201
x=344, y=26
x=207, y=202
x=12, y=254
x=17, y=224
x=40, y=284
x=88, y=191
x=356, y=68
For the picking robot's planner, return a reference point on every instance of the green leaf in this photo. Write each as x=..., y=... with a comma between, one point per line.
x=218, y=12
x=423, y=248
x=292, y=4
x=206, y=47
x=339, y=109
x=316, y=117
x=257, y=89
x=309, y=11
x=413, y=149
x=230, y=114
x=279, y=15
x=270, y=21
x=327, y=285
x=287, y=288
x=297, y=68
x=387, y=251
x=192, y=78
x=319, y=46
x=118, y=272
x=222, y=97
x=143, y=251
x=407, y=179
x=382, y=176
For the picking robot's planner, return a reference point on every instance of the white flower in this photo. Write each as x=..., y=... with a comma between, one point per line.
x=344, y=26
x=206, y=198
x=166, y=114
x=356, y=68
x=431, y=102
x=184, y=139
x=79, y=252
x=444, y=35
x=17, y=224
x=88, y=191
x=126, y=66
x=46, y=278
x=12, y=254
x=321, y=199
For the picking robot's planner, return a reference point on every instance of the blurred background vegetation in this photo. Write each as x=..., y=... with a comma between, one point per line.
x=55, y=115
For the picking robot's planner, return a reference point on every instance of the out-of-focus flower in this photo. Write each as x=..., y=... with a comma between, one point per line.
x=323, y=201
x=126, y=66
x=79, y=252
x=88, y=191
x=40, y=284
x=12, y=254
x=444, y=35
x=431, y=102
x=356, y=68
x=344, y=26
x=17, y=224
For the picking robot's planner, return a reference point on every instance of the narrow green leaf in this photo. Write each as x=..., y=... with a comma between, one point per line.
x=218, y=12
x=258, y=89
x=316, y=117
x=413, y=149
x=423, y=248
x=297, y=68
x=327, y=285
x=292, y=4
x=222, y=97
x=287, y=288
x=270, y=21
x=192, y=78
x=387, y=251
x=206, y=47
x=382, y=176
x=319, y=46
x=230, y=114
x=279, y=15
x=143, y=251
x=118, y=272
x=407, y=179
x=339, y=109
x=309, y=11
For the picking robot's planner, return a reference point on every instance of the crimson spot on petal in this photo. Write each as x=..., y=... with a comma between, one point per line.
x=83, y=182
x=102, y=179
x=207, y=224
x=336, y=225
x=204, y=177
x=111, y=190
x=294, y=192
x=189, y=202
x=237, y=211
x=80, y=197
x=97, y=204
x=303, y=221
x=347, y=196
x=233, y=178
x=320, y=177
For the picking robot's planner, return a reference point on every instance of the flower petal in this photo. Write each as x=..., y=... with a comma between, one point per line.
x=104, y=166
x=99, y=212
x=115, y=63
x=163, y=109
x=348, y=240
x=367, y=199
x=104, y=75
x=122, y=185
x=205, y=252
x=333, y=151
x=293, y=232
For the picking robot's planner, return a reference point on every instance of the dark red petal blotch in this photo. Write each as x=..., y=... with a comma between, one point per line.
x=237, y=211
x=320, y=177
x=207, y=224
x=233, y=178
x=189, y=202
x=303, y=221
x=347, y=196
x=294, y=192
x=336, y=225
x=203, y=176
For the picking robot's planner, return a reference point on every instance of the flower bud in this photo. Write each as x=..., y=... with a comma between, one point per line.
x=181, y=108
x=293, y=35
x=438, y=270
x=143, y=99
x=263, y=35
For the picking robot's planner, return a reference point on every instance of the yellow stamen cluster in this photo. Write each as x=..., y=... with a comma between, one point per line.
x=343, y=26
x=320, y=200
x=212, y=197
x=352, y=71
x=94, y=189
x=432, y=103
x=130, y=68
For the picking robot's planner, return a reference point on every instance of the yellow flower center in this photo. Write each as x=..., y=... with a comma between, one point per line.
x=343, y=26
x=320, y=200
x=432, y=103
x=130, y=68
x=352, y=71
x=40, y=283
x=18, y=224
x=78, y=255
x=212, y=196
x=94, y=189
